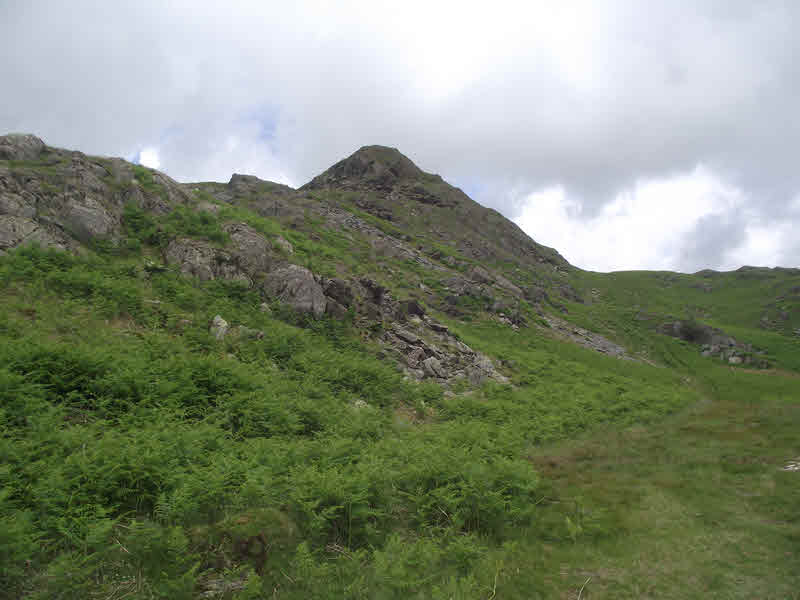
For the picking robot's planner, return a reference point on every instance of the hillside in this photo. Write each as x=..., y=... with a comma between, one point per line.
x=373, y=387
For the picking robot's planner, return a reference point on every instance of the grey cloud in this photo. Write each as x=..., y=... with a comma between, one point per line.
x=712, y=238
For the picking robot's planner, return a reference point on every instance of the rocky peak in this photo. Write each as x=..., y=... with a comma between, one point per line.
x=379, y=167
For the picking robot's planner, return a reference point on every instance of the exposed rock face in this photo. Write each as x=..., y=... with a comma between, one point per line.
x=251, y=250
x=86, y=218
x=204, y=261
x=16, y=146
x=376, y=166
x=296, y=286
x=713, y=342
x=71, y=195
x=386, y=184
x=585, y=338
x=16, y=231
x=248, y=256
x=18, y=205
x=481, y=275
x=340, y=291
x=430, y=351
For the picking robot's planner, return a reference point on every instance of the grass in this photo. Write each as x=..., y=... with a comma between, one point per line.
x=142, y=456
x=695, y=507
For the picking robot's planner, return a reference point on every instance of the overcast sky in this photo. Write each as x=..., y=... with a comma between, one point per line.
x=628, y=135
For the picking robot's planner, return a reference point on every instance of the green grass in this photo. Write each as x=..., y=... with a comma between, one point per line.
x=696, y=507
x=141, y=456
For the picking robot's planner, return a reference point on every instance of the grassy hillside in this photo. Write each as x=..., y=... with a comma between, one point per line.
x=302, y=456
x=143, y=457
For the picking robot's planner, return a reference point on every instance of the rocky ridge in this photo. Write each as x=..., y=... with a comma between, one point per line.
x=453, y=253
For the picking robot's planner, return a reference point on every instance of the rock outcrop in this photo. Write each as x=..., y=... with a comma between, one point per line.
x=297, y=287
x=714, y=342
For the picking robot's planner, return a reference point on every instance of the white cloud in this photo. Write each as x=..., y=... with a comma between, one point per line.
x=149, y=158
x=642, y=227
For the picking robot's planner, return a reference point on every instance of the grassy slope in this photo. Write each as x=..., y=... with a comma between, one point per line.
x=630, y=305
x=140, y=454
x=141, y=458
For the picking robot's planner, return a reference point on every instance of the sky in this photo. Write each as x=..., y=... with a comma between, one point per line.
x=626, y=134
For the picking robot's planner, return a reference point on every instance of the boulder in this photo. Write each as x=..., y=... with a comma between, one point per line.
x=414, y=357
x=433, y=368
x=412, y=307
x=284, y=244
x=481, y=275
x=438, y=327
x=374, y=289
x=296, y=286
x=339, y=291
x=86, y=218
x=405, y=335
x=334, y=309
x=251, y=250
x=570, y=293
x=218, y=328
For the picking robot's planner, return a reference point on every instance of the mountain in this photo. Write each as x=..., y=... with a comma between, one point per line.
x=372, y=386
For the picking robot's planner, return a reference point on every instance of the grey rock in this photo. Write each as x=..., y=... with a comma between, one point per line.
x=537, y=294
x=284, y=244
x=86, y=218
x=463, y=348
x=479, y=274
x=16, y=205
x=264, y=308
x=339, y=291
x=17, y=146
x=438, y=327
x=433, y=368
x=208, y=207
x=570, y=293
x=334, y=309
x=374, y=290
x=17, y=231
x=219, y=327
x=296, y=286
x=251, y=250
x=414, y=357
x=405, y=335
x=508, y=286
x=499, y=306
x=412, y=307
x=202, y=260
